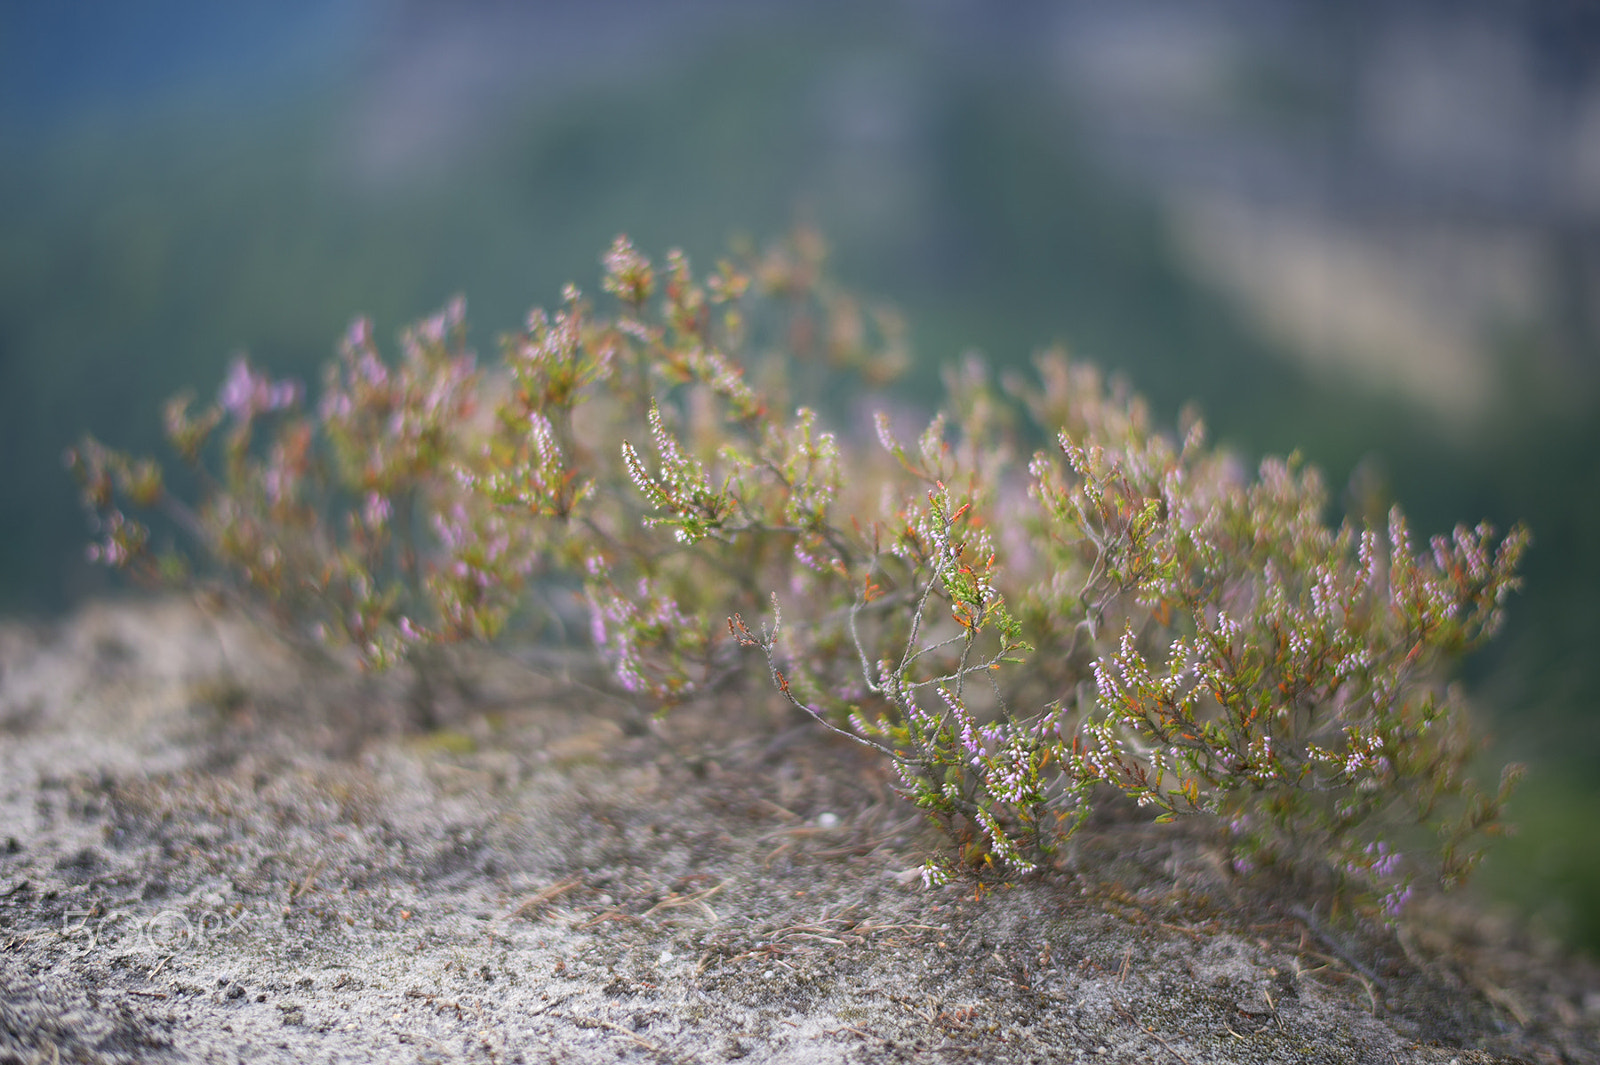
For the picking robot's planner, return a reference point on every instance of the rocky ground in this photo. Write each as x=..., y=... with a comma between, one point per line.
x=212, y=849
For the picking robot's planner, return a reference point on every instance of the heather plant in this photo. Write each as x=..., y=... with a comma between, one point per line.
x=1018, y=632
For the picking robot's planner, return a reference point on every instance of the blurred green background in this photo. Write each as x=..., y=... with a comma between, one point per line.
x=1367, y=231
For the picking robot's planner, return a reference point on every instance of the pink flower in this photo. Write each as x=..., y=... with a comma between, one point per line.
x=245, y=393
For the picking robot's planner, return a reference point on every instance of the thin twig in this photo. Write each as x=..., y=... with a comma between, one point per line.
x=1327, y=939
x=1170, y=1049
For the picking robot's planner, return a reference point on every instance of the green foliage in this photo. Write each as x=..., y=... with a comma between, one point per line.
x=1016, y=634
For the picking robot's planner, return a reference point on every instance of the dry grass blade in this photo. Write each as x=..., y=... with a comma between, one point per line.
x=536, y=902
x=677, y=901
x=583, y=1021
x=310, y=880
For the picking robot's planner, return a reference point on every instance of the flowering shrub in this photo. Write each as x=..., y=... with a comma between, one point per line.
x=1015, y=634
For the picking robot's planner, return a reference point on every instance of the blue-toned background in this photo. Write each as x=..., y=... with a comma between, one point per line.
x=1369, y=231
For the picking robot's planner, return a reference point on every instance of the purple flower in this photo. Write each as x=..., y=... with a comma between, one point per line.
x=376, y=510
x=237, y=394
x=245, y=393
x=359, y=334
x=1394, y=903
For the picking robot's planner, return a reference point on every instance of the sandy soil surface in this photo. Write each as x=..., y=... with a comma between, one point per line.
x=214, y=850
